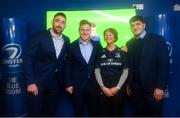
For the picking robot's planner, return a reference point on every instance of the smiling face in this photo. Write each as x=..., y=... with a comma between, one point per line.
x=58, y=24
x=137, y=27
x=85, y=32
x=109, y=37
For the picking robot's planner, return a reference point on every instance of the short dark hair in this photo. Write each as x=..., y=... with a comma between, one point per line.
x=60, y=14
x=83, y=22
x=137, y=18
x=113, y=31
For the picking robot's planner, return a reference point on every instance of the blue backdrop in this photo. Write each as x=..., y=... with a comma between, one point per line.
x=33, y=13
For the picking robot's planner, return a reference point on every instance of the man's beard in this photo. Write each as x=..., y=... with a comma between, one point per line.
x=58, y=31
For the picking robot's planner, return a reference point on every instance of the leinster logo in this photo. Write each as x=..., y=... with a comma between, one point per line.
x=11, y=55
x=117, y=55
x=170, y=51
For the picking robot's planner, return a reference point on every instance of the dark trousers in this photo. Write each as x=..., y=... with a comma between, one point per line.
x=84, y=99
x=44, y=104
x=111, y=106
x=144, y=103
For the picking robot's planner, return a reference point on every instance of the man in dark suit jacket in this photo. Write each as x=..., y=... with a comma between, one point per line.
x=44, y=67
x=80, y=79
x=149, y=69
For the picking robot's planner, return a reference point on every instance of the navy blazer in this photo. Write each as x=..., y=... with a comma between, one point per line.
x=79, y=73
x=41, y=62
x=154, y=62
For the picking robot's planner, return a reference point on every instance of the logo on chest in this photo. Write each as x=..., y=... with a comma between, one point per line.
x=103, y=56
x=117, y=55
